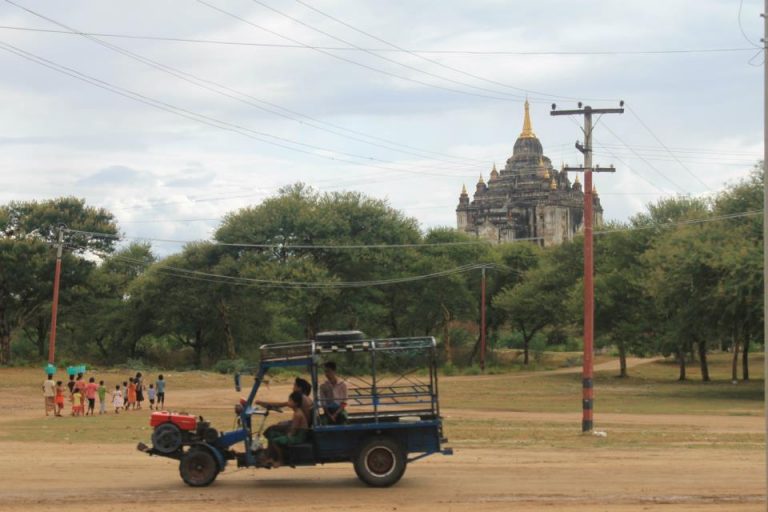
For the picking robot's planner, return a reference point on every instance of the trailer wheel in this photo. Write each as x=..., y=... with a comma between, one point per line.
x=166, y=438
x=380, y=462
x=198, y=467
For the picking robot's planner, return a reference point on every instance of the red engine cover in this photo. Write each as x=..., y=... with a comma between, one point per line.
x=183, y=421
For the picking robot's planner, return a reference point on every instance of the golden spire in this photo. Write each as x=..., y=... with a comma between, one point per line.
x=576, y=180
x=552, y=184
x=494, y=166
x=480, y=181
x=594, y=189
x=527, y=132
x=463, y=189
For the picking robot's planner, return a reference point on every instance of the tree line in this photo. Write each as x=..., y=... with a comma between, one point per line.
x=681, y=279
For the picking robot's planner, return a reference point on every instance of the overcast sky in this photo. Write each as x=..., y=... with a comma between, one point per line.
x=222, y=126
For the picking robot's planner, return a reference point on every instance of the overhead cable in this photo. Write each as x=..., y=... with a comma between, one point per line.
x=281, y=142
x=237, y=95
x=661, y=142
x=575, y=53
x=507, y=97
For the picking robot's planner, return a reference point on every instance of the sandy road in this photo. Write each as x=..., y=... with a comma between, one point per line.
x=115, y=477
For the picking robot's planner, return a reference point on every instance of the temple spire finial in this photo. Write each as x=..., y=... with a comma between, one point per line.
x=463, y=189
x=527, y=132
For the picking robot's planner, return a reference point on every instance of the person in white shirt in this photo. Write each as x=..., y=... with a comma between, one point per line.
x=333, y=396
x=49, y=393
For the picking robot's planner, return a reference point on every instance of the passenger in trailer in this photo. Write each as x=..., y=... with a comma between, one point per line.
x=299, y=386
x=297, y=431
x=333, y=396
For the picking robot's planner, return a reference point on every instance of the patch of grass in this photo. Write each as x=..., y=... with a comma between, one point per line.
x=489, y=433
x=652, y=388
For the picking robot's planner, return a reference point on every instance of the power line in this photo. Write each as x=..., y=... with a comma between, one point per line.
x=392, y=45
x=685, y=150
x=628, y=167
x=426, y=245
x=700, y=220
x=208, y=120
x=289, y=247
x=741, y=28
x=508, y=97
x=234, y=93
x=271, y=283
x=653, y=167
x=648, y=129
x=382, y=57
x=390, y=50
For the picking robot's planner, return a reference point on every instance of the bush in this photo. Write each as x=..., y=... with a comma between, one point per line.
x=135, y=364
x=449, y=369
x=472, y=370
x=230, y=365
x=556, y=336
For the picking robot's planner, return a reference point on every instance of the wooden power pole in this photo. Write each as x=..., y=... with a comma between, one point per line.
x=483, y=320
x=587, y=402
x=765, y=231
x=55, y=302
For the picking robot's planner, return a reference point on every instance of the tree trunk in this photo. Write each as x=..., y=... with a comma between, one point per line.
x=447, y=335
x=526, y=344
x=622, y=359
x=5, y=348
x=5, y=339
x=102, y=348
x=197, y=346
x=735, y=359
x=230, y=340
x=681, y=360
x=703, y=360
x=38, y=333
x=745, y=360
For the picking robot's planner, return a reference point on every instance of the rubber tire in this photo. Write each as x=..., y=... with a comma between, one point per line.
x=166, y=438
x=198, y=467
x=381, y=448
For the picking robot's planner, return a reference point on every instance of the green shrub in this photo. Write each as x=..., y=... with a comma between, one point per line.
x=230, y=365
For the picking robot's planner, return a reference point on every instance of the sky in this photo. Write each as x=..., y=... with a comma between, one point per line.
x=171, y=135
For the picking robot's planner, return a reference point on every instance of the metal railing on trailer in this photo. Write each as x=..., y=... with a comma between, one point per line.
x=391, y=394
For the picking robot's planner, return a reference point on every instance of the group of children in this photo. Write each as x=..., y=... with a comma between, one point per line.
x=82, y=395
x=131, y=395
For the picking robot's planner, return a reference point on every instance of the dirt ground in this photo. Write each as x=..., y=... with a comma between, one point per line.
x=54, y=476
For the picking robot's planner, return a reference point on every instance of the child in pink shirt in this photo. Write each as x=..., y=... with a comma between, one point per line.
x=90, y=394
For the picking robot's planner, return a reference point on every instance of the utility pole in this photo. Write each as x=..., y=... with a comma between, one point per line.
x=55, y=303
x=587, y=402
x=765, y=231
x=482, y=318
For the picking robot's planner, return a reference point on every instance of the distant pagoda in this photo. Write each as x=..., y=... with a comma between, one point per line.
x=527, y=200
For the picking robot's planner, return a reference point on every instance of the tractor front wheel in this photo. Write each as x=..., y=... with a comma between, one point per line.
x=198, y=467
x=380, y=462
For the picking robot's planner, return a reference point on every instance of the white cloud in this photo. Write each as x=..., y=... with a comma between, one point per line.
x=60, y=134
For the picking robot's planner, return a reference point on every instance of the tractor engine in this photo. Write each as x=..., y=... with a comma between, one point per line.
x=172, y=431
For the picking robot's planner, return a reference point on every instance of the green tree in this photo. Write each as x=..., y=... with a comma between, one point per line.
x=100, y=315
x=740, y=293
x=27, y=258
x=539, y=300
